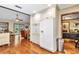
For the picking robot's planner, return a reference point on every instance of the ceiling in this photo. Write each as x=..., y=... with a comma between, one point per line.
x=29, y=8
x=63, y=6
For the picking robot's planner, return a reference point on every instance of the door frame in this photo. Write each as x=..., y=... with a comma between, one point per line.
x=66, y=19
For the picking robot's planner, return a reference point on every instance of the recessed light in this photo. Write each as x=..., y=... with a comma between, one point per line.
x=49, y=5
x=17, y=20
x=34, y=11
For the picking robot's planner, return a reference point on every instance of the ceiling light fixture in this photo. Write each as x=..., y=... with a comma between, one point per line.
x=34, y=11
x=49, y=5
x=17, y=18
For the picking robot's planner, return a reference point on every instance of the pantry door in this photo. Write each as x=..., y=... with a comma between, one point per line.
x=46, y=34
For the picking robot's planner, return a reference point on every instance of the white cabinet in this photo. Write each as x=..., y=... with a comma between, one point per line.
x=35, y=34
x=35, y=30
x=47, y=40
x=4, y=38
x=47, y=29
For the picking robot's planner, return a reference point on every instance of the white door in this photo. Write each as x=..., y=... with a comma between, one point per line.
x=46, y=34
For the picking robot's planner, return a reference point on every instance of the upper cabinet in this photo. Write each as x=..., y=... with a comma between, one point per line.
x=4, y=27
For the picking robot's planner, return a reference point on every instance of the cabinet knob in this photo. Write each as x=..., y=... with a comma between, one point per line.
x=42, y=31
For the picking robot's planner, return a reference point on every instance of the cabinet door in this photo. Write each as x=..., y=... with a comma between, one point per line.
x=46, y=34
x=36, y=33
x=0, y=41
x=17, y=28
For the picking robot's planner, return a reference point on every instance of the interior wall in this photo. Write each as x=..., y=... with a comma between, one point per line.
x=74, y=8
x=9, y=16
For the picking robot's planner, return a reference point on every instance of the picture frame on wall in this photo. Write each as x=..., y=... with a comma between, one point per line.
x=65, y=26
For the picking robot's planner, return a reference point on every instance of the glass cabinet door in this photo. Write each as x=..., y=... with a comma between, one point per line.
x=17, y=28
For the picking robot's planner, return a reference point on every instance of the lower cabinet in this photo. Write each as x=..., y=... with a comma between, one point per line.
x=12, y=40
x=4, y=38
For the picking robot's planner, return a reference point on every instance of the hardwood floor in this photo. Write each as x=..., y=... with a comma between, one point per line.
x=27, y=47
x=69, y=48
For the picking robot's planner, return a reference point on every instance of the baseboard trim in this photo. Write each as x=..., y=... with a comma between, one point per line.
x=42, y=47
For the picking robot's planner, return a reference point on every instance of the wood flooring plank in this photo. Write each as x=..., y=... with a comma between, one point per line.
x=28, y=47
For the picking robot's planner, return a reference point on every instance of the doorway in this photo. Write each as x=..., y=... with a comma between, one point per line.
x=70, y=28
